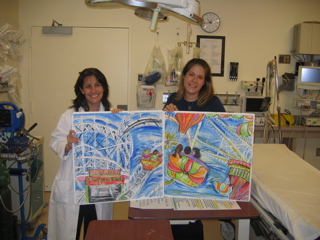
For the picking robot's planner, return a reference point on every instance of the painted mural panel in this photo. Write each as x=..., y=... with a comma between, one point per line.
x=140, y=155
x=208, y=155
x=119, y=156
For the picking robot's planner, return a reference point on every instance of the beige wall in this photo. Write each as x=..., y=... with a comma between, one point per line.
x=255, y=32
x=9, y=10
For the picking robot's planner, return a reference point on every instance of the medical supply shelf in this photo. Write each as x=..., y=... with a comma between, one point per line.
x=27, y=186
x=231, y=102
x=230, y=99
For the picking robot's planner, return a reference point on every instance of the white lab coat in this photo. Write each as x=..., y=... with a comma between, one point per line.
x=63, y=213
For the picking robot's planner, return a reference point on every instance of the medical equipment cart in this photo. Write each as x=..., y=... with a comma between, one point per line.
x=24, y=162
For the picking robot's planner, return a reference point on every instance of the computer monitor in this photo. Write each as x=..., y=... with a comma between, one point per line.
x=309, y=78
x=252, y=104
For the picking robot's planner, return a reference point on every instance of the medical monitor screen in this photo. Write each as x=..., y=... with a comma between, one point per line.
x=252, y=104
x=309, y=78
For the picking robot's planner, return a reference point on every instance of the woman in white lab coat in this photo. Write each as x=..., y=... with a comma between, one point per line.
x=65, y=218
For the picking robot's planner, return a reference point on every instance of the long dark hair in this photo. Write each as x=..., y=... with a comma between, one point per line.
x=80, y=100
x=207, y=91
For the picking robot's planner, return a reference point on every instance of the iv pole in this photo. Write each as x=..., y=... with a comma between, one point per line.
x=278, y=97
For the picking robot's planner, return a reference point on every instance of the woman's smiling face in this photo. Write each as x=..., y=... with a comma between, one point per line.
x=194, y=80
x=93, y=91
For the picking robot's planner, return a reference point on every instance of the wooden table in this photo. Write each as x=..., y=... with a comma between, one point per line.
x=146, y=229
x=242, y=216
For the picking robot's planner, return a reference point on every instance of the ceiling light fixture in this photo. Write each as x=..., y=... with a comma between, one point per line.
x=147, y=13
x=189, y=9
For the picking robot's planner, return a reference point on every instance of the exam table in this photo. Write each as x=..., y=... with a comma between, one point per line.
x=287, y=188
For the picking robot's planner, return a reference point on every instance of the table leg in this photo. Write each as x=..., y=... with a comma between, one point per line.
x=242, y=229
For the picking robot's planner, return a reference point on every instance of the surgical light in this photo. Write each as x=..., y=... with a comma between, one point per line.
x=156, y=9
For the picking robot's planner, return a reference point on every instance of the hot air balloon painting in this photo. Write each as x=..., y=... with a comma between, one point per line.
x=186, y=168
x=212, y=156
x=135, y=155
x=187, y=120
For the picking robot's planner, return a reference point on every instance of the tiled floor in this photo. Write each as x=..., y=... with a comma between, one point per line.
x=43, y=218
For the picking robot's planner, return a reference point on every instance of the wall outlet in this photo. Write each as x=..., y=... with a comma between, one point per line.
x=140, y=77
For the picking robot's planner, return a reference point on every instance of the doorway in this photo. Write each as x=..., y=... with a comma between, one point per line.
x=56, y=61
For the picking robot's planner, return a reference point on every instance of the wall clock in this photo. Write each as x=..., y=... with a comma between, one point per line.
x=211, y=22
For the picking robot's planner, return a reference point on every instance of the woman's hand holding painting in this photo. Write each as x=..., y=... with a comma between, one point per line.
x=170, y=108
x=71, y=138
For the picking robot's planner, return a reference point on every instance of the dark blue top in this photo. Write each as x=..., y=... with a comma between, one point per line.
x=214, y=104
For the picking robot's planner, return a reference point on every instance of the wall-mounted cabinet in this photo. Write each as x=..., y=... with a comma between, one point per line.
x=306, y=38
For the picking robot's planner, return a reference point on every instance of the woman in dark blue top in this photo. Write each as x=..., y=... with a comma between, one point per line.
x=195, y=92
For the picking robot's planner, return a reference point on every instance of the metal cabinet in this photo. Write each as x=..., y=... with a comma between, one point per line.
x=306, y=38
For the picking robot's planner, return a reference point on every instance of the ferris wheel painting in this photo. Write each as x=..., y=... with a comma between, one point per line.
x=150, y=154
x=119, y=156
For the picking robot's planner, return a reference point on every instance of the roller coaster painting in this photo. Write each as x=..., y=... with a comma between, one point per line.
x=151, y=154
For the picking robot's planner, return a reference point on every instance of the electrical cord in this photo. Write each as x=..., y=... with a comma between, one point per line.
x=314, y=92
x=268, y=130
x=287, y=111
x=305, y=141
x=27, y=189
x=11, y=187
x=286, y=121
x=298, y=58
x=302, y=123
x=13, y=211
